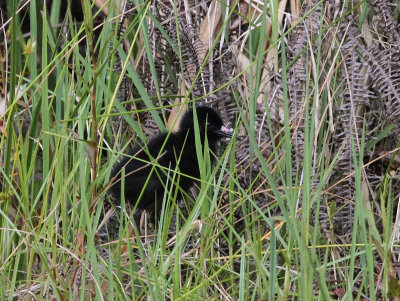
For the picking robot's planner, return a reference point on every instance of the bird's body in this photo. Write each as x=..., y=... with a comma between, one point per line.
x=147, y=168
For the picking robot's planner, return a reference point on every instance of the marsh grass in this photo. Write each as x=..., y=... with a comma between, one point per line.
x=61, y=87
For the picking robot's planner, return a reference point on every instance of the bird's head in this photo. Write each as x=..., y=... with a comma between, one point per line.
x=209, y=122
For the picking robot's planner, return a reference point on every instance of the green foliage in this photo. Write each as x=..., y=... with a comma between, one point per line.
x=62, y=101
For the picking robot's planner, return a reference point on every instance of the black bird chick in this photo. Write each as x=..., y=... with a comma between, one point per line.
x=178, y=151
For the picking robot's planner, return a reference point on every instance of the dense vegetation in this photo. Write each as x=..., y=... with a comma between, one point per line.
x=303, y=207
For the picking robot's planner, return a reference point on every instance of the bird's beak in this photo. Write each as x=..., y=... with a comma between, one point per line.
x=224, y=132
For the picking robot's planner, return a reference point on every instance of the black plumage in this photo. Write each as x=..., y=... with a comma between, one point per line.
x=146, y=168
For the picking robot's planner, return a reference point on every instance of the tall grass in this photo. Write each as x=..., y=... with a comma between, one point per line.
x=62, y=88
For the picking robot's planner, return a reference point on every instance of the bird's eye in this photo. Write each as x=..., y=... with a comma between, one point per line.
x=210, y=125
